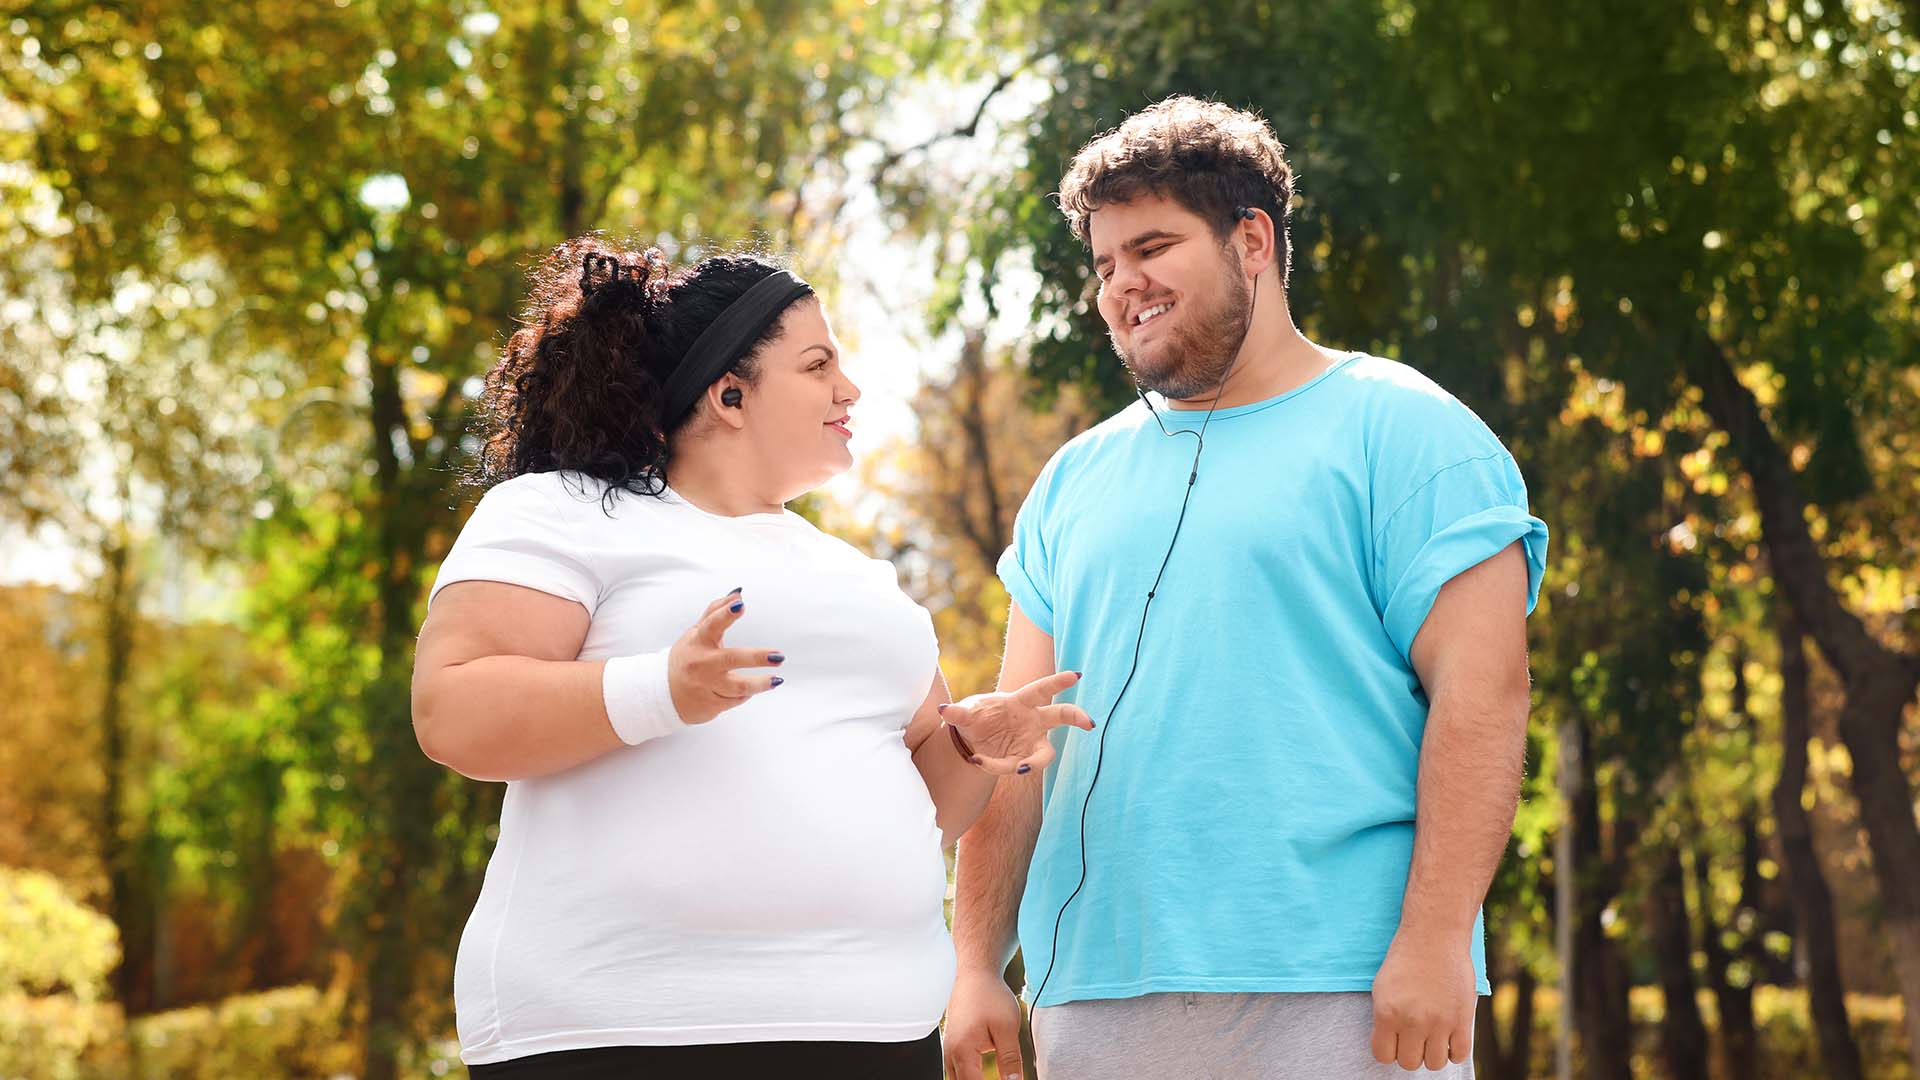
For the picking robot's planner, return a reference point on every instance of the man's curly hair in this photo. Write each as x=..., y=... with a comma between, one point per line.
x=1206, y=156
x=579, y=386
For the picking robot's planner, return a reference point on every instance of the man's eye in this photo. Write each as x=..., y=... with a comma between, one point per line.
x=1148, y=253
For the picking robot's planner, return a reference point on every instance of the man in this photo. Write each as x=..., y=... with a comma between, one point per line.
x=1298, y=589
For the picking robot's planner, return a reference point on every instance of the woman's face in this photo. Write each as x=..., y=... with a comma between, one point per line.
x=796, y=409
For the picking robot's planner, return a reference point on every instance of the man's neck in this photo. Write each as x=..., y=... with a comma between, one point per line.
x=1275, y=358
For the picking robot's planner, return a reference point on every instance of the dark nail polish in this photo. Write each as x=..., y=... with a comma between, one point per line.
x=777, y=680
x=735, y=592
x=736, y=606
x=776, y=658
x=1024, y=770
x=975, y=761
x=941, y=709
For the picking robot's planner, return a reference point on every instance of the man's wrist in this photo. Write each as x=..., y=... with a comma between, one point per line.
x=1429, y=930
x=977, y=970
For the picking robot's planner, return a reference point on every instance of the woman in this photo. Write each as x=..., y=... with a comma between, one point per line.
x=728, y=778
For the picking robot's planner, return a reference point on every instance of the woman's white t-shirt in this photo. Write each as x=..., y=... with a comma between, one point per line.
x=774, y=874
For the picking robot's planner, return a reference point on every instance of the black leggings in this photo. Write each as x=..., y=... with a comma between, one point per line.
x=916, y=1060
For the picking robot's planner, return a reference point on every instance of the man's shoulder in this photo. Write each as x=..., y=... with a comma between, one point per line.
x=1393, y=385
x=1401, y=403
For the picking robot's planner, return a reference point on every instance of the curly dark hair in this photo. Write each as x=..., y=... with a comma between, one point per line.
x=1208, y=157
x=579, y=386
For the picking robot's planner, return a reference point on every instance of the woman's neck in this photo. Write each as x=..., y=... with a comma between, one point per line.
x=719, y=482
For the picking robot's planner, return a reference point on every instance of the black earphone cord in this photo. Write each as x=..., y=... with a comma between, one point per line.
x=1100, y=753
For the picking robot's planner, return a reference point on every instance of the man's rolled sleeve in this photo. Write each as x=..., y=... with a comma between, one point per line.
x=1463, y=515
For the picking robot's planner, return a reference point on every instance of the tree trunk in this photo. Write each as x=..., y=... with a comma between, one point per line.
x=1499, y=1055
x=988, y=533
x=1812, y=901
x=1880, y=682
x=1733, y=989
x=401, y=780
x=1732, y=992
x=1683, y=1036
x=1600, y=978
x=1519, y=1062
x=118, y=600
x=1489, y=1050
x=1869, y=726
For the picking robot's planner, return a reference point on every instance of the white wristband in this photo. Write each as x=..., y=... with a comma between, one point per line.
x=638, y=698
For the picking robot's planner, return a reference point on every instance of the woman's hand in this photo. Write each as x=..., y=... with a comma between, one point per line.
x=701, y=670
x=1008, y=732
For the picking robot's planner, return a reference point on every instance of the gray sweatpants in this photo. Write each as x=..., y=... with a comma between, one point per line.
x=1322, y=1036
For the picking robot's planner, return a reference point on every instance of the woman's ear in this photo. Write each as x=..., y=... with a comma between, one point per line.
x=725, y=401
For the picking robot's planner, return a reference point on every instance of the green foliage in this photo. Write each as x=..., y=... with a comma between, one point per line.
x=298, y=1033
x=293, y=1033
x=50, y=943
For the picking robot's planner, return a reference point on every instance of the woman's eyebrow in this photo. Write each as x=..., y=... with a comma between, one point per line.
x=828, y=349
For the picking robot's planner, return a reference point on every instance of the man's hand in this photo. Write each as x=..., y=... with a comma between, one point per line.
x=1423, y=1002
x=983, y=1017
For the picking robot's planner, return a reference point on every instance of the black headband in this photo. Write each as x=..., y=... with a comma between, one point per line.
x=727, y=338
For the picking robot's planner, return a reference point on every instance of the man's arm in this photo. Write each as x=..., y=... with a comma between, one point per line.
x=990, y=873
x=1471, y=656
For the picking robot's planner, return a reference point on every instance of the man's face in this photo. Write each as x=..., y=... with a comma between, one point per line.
x=1173, y=296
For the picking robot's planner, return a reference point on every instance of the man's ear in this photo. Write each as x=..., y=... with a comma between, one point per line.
x=1256, y=235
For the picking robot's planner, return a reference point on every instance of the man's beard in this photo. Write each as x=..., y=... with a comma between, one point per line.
x=1195, y=358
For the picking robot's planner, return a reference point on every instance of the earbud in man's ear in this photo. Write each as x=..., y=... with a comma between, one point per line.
x=730, y=397
x=1244, y=213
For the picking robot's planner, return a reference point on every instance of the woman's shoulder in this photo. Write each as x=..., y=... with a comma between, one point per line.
x=833, y=549
x=573, y=494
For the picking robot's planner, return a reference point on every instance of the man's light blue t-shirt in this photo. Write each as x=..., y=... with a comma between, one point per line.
x=1253, y=822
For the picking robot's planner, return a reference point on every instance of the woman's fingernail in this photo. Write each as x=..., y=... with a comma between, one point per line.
x=941, y=709
x=975, y=760
x=776, y=658
x=1024, y=770
x=735, y=592
x=736, y=606
x=777, y=680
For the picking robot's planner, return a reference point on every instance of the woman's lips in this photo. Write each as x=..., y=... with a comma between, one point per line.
x=841, y=427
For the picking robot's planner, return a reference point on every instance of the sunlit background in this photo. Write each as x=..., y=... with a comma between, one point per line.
x=254, y=257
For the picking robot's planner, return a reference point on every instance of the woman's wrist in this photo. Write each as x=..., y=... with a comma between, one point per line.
x=639, y=698
x=961, y=744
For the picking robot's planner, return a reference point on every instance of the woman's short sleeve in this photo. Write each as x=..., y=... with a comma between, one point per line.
x=519, y=535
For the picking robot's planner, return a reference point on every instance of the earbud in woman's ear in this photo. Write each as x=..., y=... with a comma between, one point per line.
x=730, y=397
